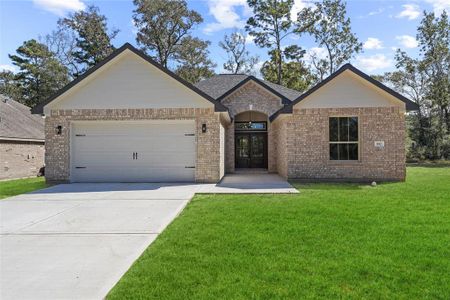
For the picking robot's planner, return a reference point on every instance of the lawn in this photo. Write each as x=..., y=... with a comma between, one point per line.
x=330, y=241
x=19, y=186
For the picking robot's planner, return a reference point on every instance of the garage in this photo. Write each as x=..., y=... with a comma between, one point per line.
x=133, y=151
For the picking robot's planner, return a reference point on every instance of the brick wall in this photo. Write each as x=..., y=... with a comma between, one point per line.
x=57, y=156
x=279, y=134
x=20, y=159
x=239, y=102
x=307, y=144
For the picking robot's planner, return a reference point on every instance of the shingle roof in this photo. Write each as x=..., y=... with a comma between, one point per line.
x=17, y=122
x=218, y=85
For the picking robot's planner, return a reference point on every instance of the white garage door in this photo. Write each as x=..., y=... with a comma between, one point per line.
x=151, y=151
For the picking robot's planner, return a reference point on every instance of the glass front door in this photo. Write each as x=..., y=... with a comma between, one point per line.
x=251, y=150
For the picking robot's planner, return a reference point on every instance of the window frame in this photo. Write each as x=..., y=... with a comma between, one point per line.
x=250, y=129
x=357, y=142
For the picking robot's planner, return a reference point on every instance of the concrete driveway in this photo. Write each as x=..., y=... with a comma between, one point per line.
x=76, y=241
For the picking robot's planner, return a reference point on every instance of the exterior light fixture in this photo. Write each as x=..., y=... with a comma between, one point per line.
x=58, y=129
x=203, y=127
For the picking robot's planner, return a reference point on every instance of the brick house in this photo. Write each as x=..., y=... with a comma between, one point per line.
x=129, y=119
x=21, y=140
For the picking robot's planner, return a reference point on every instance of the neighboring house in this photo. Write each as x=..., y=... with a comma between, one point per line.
x=129, y=119
x=21, y=140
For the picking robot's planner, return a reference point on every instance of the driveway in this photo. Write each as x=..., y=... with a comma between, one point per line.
x=76, y=241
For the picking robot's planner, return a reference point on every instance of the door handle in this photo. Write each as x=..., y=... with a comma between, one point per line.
x=134, y=155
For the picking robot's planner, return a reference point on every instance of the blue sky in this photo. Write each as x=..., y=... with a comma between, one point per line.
x=381, y=25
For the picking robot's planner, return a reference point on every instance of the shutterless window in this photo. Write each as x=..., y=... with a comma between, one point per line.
x=344, y=138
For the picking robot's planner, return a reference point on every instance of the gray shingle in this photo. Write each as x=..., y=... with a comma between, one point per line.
x=16, y=121
x=218, y=85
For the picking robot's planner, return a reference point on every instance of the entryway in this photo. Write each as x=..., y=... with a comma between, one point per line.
x=251, y=141
x=251, y=150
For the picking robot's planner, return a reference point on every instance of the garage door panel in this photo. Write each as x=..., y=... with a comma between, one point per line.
x=154, y=174
x=104, y=144
x=103, y=151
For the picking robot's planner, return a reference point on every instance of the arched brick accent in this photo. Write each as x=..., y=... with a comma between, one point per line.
x=253, y=94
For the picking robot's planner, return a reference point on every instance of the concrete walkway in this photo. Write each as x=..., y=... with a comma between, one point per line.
x=75, y=241
x=258, y=183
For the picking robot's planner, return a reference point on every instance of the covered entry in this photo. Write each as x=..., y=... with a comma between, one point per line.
x=133, y=151
x=251, y=140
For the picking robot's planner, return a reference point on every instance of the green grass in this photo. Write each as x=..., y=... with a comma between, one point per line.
x=330, y=241
x=19, y=186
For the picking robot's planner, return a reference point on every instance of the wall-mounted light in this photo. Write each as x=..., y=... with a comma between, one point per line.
x=203, y=127
x=58, y=129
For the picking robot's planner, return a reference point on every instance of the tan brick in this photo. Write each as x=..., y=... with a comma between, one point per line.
x=304, y=135
x=21, y=159
x=57, y=156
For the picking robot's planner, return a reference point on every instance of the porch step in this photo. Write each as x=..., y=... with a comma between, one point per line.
x=251, y=171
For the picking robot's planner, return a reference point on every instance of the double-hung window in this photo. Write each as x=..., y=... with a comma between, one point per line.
x=344, y=143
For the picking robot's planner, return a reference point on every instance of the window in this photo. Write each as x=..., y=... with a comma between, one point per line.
x=250, y=125
x=344, y=138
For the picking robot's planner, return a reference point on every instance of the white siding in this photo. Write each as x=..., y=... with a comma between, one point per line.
x=349, y=90
x=129, y=82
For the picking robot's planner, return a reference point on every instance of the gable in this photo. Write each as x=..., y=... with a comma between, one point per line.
x=129, y=81
x=349, y=90
x=252, y=96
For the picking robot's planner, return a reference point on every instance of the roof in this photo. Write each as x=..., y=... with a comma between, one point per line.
x=17, y=122
x=222, y=85
x=38, y=109
x=410, y=105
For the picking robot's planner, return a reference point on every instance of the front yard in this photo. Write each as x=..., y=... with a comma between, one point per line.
x=329, y=241
x=9, y=188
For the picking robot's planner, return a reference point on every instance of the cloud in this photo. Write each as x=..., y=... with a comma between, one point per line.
x=373, y=43
x=224, y=11
x=134, y=27
x=298, y=6
x=440, y=5
x=317, y=52
x=249, y=39
x=410, y=11
x=8, y=68
x=60, y=7
x=374, y=62
x=376, y=12
x=407, y=41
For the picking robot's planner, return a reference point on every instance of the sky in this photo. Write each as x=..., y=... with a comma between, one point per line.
x=381, y=25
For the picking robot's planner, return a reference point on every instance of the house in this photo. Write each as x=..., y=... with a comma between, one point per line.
x=21, y=140
x=129, y=119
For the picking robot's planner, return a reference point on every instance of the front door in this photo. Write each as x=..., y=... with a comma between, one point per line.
x=251, y=150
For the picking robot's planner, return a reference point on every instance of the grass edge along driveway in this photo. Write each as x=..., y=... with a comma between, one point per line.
x=329, y=241
x=9, y=188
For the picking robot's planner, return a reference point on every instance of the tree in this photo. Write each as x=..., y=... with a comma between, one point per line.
x=410, y=80
x=192, y=56
x=63, y=44
x=295, y=74
x=331, y=29
x=426, y=80
x=239, y=58
x=434, y=41
x=269, y=26
x=93, y=41
x=40, y=73
x=162, y=25
x=9, y=86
